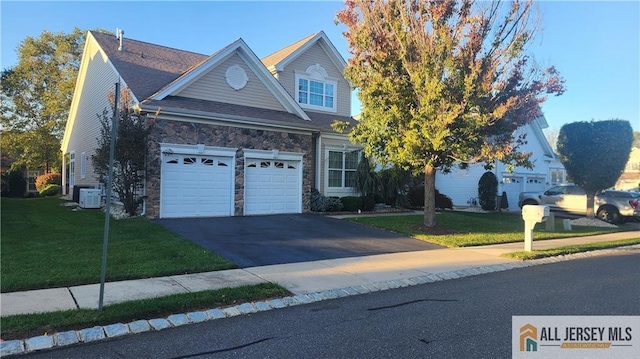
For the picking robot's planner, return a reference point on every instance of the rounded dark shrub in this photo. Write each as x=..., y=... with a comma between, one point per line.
x=50, y=190
x=351, y=204
x=443, y=201
x=368, y=203
x=504, y=201
x=16, y=184
x=487, y=191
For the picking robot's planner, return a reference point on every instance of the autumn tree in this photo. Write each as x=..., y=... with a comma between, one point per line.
x=35, y=98
x=443, y=82
x=595, y=154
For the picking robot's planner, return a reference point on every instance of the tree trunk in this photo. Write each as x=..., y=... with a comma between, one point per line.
x=429, y=196
x=590, y=196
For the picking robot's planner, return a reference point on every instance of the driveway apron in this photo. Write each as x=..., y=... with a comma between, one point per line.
x=252, y=241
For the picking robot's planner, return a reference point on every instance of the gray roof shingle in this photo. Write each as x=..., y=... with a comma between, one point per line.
x=146, y=67
x=324, y=120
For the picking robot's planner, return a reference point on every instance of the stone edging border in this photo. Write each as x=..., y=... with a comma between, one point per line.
x=87, y=335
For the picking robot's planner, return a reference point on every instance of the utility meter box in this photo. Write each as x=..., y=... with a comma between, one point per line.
x=535, y=213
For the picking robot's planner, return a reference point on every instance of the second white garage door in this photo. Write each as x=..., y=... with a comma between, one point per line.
x=272, y=186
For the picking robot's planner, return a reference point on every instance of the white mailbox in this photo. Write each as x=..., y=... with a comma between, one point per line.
x=532, y=214
x=535, y=213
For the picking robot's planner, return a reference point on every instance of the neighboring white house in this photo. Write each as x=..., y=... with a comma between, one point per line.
x=630, y=178
x=462, y=185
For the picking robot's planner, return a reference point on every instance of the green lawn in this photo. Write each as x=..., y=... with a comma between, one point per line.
x=26, y=325
x=571, y=249
x=474, y=229
x=46, y=245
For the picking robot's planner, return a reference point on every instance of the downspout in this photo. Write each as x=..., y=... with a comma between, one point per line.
x=64, y=175
x=144, y=186
x=319, y=162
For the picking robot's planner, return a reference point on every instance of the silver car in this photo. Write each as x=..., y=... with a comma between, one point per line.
x=610, y=206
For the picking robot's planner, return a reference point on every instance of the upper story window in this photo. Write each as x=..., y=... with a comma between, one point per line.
x=315, y=90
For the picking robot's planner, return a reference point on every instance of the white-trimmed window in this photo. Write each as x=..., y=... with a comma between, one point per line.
x=558, y=176
x=72, y=169
x=315, y=90
x=342, y=169
x=31, y=180
x=83, y=164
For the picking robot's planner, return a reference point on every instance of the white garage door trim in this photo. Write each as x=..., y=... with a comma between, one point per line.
x=266, y=167
x=206, y=161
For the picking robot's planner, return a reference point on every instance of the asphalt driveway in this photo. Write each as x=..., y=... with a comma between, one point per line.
x=253, y=241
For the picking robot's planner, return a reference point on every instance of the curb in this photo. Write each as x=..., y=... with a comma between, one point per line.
x=87, y=335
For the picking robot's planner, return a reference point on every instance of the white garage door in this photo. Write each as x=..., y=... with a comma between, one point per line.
x=196, y=186
x=272, y=186
x=535, y=184
x=513, y=186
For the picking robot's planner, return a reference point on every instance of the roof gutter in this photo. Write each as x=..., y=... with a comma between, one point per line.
x=179, y=114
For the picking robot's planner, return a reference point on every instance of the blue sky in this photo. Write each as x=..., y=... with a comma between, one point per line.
x=594, y=44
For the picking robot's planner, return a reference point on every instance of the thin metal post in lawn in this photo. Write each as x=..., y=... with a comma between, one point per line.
x=107, y=216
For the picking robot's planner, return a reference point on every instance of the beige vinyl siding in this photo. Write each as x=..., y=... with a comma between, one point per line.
x=213, y=87
x=316, y=55
x=96, y=81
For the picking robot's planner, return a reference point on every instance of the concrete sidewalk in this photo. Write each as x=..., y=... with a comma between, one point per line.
x=299, y=278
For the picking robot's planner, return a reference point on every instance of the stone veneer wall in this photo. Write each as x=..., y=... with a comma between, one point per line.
x=178, y=132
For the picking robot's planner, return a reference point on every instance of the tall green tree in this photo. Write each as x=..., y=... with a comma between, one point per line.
x=595, y=154
x=443, y=82
x=35, y=98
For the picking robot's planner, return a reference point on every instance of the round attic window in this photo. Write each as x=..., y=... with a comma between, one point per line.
x=236, y=77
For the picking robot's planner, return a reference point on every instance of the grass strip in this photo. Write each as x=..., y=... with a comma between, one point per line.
x=552, y=252
x=475, y=229
x=48, y=245
x=27, y=325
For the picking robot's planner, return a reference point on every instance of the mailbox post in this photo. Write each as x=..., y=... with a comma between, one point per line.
x=532, y=214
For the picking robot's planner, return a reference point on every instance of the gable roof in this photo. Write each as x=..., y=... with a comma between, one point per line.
x=251, y=60
x=145, y=67
x=155, y=73
x=537, y=125
x=278, y=56
x=279, y=59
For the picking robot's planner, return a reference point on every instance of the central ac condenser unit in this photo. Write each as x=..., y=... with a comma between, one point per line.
x=89, y=198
